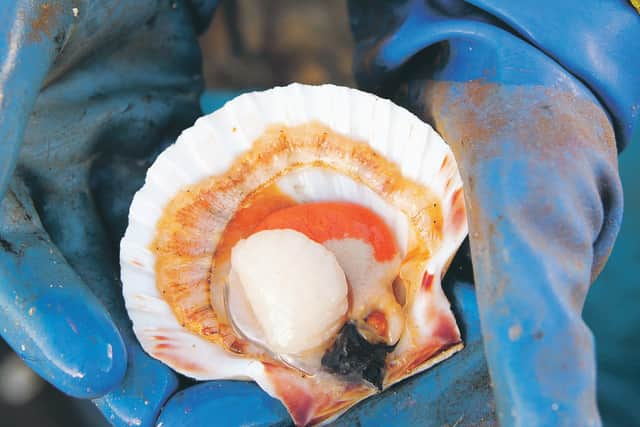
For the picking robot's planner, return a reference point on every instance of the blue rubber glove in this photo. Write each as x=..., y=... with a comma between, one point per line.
x=88, y=88
x=532, y=97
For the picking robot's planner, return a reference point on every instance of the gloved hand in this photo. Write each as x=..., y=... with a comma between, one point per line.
x=88, y=90
x=528, y=95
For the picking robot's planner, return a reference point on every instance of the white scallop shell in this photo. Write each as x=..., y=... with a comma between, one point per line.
x=210, y=146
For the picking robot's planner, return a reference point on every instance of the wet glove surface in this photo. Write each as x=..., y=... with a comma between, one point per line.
x=89, y=91
x=533, y=100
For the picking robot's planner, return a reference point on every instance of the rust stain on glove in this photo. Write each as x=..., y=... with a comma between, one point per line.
x=45, y=21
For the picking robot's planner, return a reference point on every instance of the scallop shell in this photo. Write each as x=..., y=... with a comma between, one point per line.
x=209, y=147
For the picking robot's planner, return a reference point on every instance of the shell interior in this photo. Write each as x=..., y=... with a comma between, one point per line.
x=305, y=123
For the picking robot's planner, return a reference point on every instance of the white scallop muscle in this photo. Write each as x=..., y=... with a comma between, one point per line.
x=294, y=286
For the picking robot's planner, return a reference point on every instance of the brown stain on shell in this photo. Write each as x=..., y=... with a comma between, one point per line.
x=176, y=361
x=427, y=282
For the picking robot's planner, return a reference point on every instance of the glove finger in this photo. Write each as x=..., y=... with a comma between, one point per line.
x=146, y=386
x=48, y=316
x=544, y=204
x=223, y=404
x=69, y=215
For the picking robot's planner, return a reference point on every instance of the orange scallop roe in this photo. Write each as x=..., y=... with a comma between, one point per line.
x=256, y=208
x=322, y=221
